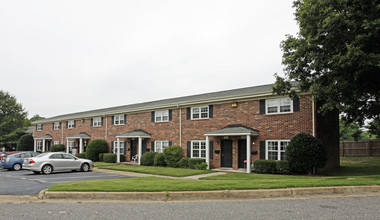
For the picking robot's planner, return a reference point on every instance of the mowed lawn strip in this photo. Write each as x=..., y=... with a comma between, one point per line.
x=163, y=171
x=354, y=172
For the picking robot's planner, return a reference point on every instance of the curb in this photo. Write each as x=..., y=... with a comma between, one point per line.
x=212, y=195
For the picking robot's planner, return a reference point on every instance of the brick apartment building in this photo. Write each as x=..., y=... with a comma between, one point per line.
x=222, y=127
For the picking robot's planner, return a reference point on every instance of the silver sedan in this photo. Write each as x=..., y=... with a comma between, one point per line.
x=56, y=161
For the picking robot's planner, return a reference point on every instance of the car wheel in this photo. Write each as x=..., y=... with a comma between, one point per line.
x=16, y=167
x=36, y=172
x=85, y=167
x=47, y=169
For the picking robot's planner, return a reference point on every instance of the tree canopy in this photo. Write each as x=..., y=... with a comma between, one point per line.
x=336, y=56
x=12, y=120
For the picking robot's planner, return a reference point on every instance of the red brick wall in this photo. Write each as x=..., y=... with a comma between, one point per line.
x=280, y=126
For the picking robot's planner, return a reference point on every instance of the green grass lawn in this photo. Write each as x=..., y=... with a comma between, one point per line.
x=164, y=171
x=354, y=171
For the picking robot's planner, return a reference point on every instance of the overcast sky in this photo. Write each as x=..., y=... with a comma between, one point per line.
x=59, y=57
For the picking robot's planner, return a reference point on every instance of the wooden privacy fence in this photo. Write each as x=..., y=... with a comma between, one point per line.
x=368, y=148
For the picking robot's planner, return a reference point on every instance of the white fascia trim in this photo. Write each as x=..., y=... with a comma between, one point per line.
x=231, y=134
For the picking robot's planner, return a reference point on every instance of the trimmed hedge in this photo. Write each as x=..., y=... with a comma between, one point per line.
x=101, y=157
x=82, y=155
x=25, y=143
x=194, y=161
x=200, y=166
x=172, y=155
x=282, y=167
x=265, y=166
x=147, y=159
x=184, y=163
x=109, y=158
x=305, y=153
x=122, y=158
x=57, y=148
x=95, y=148
x=159, y=160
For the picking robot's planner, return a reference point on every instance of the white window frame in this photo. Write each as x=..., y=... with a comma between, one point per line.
x=122, y=149
x=199, y=110
x=55, y=142
x=70, y=124
x=271, y=103
x=200, y=144
x=71, y=145
x=279, y=148
x=57, y=125
x=161, y=116
x=159, y=146
x=39, y=146
x=39, y=127
x=118, y=119
x=97, y=122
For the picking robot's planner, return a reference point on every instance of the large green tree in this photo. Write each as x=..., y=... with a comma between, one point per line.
x=336, y=56
x=12, y=120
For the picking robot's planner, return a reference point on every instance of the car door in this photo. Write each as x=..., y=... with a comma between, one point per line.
x=71, y=162
x=57, y=161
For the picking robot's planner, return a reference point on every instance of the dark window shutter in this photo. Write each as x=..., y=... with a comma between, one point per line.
x=262, y=106
x=296, y=105
x=74, y=123
x=170, y=114
x=170, y=143
x=211, y=144
x=101, y=121
x=152, y=146
x=262, y=150
x=152, y=116
x=92, y=122
x=188, y=149
x=112, y=147
x=67, y=124
x=188, y=113
x=210, y=111
x=113, y=118
x=53, y=125
x=125, y=119
x=42, y=127
x=123, y=152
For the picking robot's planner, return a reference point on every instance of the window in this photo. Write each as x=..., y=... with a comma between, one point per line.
x=71, y=124
x=118, y=120
x=39, y=145
x=114, y=147
x=57, y=125
x=68, y=156
x=198, y=149
x=159, y=146
x=56, y=156
x=71, y=145
x=200, y=112
x=161, y=116
x=275, y=149
x=39, y=127
x=55, y=142
x=97, y=122
x=281, y=105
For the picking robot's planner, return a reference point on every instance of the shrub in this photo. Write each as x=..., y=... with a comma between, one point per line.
x=159, y=160
x=25, y=143
x=109, y=158
x=172, y=155
x=184, y=163
x=82, y=155
x=95, y=148
x=122, y=158
x=147, y=159
x=194, y=161
x=305, y=153
x=101, y=155
x=200, y=166
x=282, y=167
x=57, y=148
x=265, y=166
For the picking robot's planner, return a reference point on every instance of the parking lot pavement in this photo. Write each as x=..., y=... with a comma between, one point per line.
x=25, y=182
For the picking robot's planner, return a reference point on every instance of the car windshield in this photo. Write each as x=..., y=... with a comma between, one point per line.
x=41, y=155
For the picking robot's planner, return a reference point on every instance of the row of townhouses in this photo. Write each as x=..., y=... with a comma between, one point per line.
x=229, y=129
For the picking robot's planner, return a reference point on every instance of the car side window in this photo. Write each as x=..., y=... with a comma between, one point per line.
x=68, y=156
x=56, y=156
x=18, y=156
x=25, y=155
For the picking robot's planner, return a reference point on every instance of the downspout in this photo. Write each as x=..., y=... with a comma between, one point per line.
x=313, y=114
x=180, y=125
x=106, y=130
x=62, y=132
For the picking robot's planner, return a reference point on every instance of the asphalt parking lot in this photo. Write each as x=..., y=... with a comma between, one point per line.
x=25, y=182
